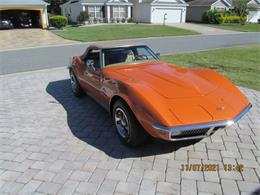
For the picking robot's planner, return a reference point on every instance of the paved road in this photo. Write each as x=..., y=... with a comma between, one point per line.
x=54, y=143
x=58, y=56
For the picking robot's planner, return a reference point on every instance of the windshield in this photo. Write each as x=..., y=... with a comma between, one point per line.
x=128, y=55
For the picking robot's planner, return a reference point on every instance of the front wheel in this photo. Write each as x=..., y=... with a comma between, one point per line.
x=127, y=127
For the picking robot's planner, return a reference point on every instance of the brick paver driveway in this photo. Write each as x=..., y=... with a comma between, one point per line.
x=54, y=143
x=24, y=38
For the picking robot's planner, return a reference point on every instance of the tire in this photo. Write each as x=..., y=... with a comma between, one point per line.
x=75, y=86
x=126, y=125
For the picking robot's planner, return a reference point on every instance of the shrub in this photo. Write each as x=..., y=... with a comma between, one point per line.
x=95, y=20
x=82, y=17
x=58, y=21
x=130, y=20
x=113, y=20
x=123, y=20
x=258, y=21
x=118, y=20
x=233, y=19
x=212, y=17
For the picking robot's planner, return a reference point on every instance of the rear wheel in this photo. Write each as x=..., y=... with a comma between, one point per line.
x=127, y=127
x=75, y=87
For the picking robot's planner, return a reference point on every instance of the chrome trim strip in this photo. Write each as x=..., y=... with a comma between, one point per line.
x=204, y=125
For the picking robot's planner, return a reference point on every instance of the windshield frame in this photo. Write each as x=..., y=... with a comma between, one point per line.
x=102, y=55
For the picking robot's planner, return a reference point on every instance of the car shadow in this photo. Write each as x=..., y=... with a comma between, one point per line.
x=89, y=122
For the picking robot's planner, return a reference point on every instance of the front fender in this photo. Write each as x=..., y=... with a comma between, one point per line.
x=147, y=105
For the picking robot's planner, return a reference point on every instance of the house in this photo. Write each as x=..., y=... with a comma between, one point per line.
x=100, y=9
x=145, y=11
x=159, y=11
x=197, y=8
x=25, y=13
x=254, y=15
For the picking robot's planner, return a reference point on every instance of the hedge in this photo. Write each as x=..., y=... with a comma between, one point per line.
x=233, y=19
x=58, y=21
x=215, y=17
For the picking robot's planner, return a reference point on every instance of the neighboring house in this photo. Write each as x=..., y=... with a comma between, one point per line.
x=197, y=8
x=254, y=15
x=29, y=13
x=145, y=11
x=101, y=9
x=159, y=11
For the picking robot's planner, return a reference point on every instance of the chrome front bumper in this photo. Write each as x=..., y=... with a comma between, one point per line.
x=198, y=131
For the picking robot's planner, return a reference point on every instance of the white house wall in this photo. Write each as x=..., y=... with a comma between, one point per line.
x=71, y=11
x=253, y=16
x=219, y=5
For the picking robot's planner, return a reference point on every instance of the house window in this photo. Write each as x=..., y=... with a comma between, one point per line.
x=95, y=11
x=119, y=12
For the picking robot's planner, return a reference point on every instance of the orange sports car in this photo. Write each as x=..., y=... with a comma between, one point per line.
x=146, y=96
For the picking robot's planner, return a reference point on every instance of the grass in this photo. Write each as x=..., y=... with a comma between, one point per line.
x=238, y=27
x=240, y=64
x=115, y=32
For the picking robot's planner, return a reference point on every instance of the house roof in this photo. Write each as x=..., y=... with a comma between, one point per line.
x=93, y=1
x=164, y=1
x=97, y=2
x=206, y=2
x=22, y=2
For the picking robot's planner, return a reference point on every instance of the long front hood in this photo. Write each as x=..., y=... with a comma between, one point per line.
x=184, y=96
x=170, y=81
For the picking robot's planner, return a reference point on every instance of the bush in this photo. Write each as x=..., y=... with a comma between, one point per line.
x=212, y=17
x=130, y=20
x=123, y=20
x=82, y=17
x=258, y=21
x=215, y=17
x=233, y=19
x=58, y=21
x=95, y=20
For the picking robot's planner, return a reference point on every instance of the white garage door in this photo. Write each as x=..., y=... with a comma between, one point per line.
x=171, y=15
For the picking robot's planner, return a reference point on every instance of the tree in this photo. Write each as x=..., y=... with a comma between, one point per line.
x=54, y=7
x=241, y=8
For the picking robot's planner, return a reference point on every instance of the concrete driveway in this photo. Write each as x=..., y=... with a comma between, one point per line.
x=203, y=29
x=24, y=38
x=54, y=143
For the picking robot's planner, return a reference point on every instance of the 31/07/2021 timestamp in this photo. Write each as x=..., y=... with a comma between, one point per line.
x=212, y=167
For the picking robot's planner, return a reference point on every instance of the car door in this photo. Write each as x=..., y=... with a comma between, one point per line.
x=92, y=75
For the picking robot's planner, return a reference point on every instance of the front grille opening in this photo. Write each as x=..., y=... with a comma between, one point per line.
x=194, y=132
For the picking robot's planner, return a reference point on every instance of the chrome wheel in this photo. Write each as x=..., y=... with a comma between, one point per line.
x=73, y=82
x=121, y=122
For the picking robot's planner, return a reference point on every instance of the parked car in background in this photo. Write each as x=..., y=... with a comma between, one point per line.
x=6, y=24
x=25, y=20
x=146, y=96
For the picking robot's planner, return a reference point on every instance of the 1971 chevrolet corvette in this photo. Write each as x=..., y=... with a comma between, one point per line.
x=146, y=96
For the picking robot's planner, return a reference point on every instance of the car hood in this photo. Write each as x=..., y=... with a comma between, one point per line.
x=168, y=80
x=185, y=95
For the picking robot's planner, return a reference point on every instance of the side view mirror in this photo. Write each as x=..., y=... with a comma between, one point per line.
x=158, y=55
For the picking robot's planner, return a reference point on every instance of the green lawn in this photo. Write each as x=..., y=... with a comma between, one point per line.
x=239, y=64
x=238, y=27
x=114, y=32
